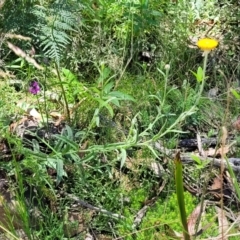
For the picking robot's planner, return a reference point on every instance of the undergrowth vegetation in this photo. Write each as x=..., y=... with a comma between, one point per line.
x=96, y=97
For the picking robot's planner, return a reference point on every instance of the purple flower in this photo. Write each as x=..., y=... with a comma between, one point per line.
x=34, y=87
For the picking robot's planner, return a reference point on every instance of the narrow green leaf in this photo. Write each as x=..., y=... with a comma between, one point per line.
x=200, y=74
x=108, y=87
x=234, y=179
x=180, y=194
x=235, y=93
x=121, y=96
x=68, y=74
x=123, y=157
x=60, y=170
x=196, y=159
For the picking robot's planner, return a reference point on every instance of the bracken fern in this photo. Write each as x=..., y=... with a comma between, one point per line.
x=55, y=24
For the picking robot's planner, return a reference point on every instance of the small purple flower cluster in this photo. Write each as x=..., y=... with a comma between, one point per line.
x=34, y=87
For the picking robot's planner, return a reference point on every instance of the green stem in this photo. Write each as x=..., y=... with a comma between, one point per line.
x=180, y=195
x=40, y=109
x=63, y=92
x=233, y=178
x=198, y=98
x=165, y=86
x=203, y=77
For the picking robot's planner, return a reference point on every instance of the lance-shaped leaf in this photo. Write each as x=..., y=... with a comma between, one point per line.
x=180, y=194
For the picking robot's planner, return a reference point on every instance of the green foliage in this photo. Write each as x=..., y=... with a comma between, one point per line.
x=120, y=31
x=54, y=26
x=115, y=104
x=16, y=19
x=7, y=112
x=63, y=150
x=102, y=97
x=165, y=211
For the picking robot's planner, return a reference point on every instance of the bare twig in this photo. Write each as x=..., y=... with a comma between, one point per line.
x=87, y=205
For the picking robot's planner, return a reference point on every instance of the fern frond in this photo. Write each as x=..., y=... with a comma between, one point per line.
x=55, y=25
x=62, y=25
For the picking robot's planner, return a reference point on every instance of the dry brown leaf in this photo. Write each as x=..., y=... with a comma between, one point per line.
x=17, y=36
x=90, y=237
x=20, y=126
x=222, y=151
x=171, y=233
x=224, y=136
x=84, y=146
x=229, y=181
x=199, y=143
x=19, y=52
x=192, y=220
x=2, y=3
x=13, y=126
x=34, y=113
x=58, y=117
x=55, y=115
x=236, y=124
x=216, y=184
x=204, y=22
x=157, y=168
x=6, y=74
x=210, y=152
x=101, y=237
x=222, y=224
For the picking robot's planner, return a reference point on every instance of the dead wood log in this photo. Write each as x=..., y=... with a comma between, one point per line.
x=187, y=158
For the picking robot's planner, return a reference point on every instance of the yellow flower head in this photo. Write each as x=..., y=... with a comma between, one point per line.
x=207, y=44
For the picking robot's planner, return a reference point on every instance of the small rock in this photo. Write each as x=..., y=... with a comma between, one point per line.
x=212, y=93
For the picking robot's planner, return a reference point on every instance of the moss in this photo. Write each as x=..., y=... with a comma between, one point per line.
x=165, y=211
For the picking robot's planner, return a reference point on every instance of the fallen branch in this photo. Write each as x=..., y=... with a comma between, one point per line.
x=87, y=205
x=187, y=158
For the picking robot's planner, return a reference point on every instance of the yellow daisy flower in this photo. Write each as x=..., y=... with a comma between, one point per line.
x=207, y=44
